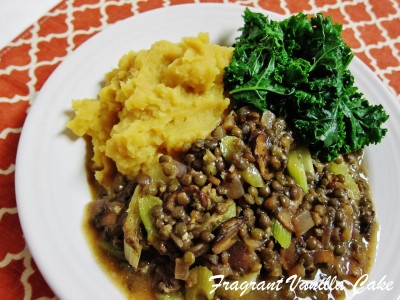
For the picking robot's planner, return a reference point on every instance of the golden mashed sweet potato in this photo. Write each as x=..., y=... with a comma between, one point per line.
x=154, y=102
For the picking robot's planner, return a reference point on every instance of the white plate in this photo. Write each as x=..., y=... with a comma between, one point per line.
x=51, y=184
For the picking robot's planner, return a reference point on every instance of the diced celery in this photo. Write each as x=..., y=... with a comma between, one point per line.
x=132, y=247
x=146, y=204
x=251, y=174
x=342, y=168
x=209, y=160
x=231, y=213
x=305, y=158
x=299, y=164
x=281, y=234
x=202, y=285
x=132, y=254
x=228, y=145
x=210, y=169
x=296, y=168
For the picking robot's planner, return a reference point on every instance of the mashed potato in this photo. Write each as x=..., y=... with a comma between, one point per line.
x=154, y=102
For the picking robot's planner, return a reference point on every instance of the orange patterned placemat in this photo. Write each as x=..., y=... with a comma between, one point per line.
x=371, y=28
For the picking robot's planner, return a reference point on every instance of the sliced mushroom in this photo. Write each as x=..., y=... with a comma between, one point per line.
x=227, y=235
x=261, y=152
x=285, y=217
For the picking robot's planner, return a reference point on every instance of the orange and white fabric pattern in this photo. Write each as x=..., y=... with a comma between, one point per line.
x=370, y=27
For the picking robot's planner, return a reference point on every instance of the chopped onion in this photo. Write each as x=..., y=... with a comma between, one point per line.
x=182, y=168
x=268, y=118
x=234, y=189
x=302, y=222
x=181, y=269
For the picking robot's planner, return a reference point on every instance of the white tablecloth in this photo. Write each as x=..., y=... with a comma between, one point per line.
x=17, y=15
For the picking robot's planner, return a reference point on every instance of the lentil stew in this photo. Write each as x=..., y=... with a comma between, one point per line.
x=247, y=202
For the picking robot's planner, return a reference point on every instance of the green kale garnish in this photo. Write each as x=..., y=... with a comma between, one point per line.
x=298, y=68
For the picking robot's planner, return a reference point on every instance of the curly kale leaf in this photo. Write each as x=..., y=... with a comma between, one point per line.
x=298, y=68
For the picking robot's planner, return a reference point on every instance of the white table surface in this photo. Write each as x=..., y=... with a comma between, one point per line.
x=17, y=15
